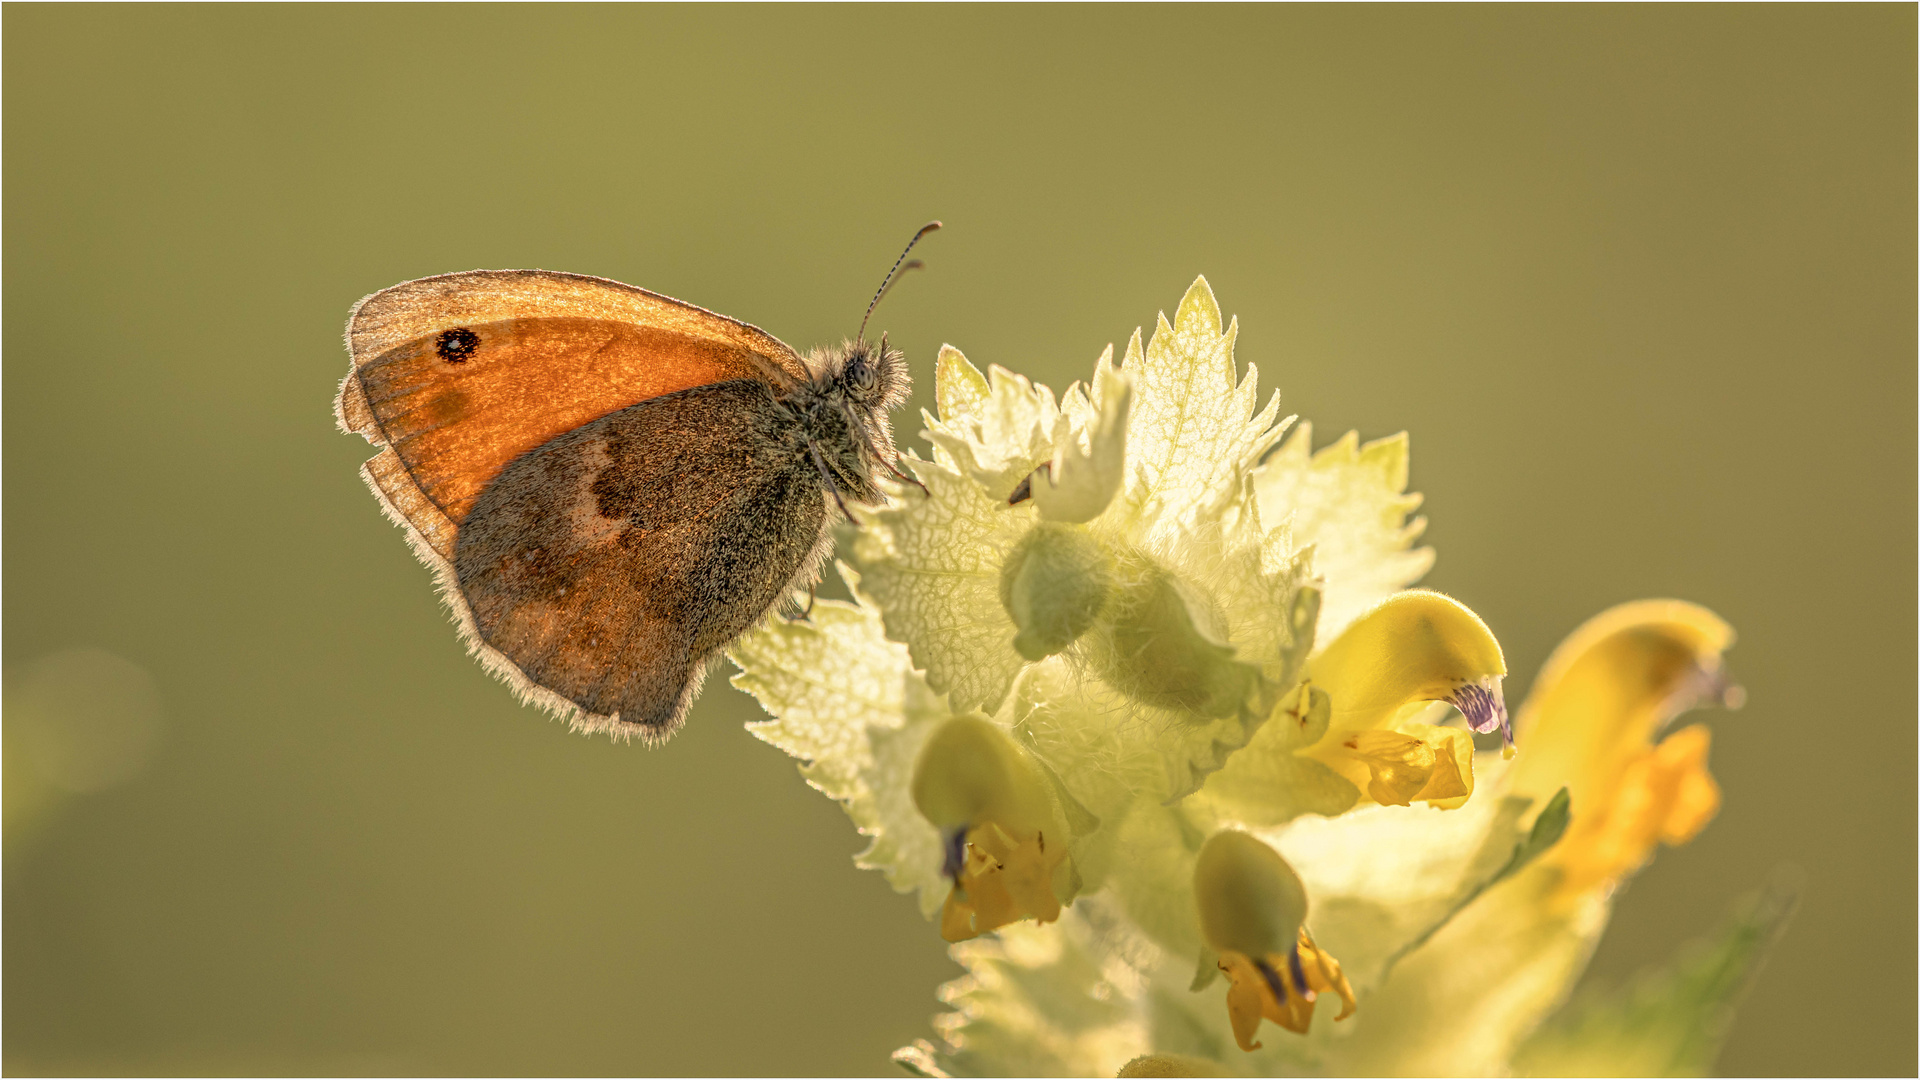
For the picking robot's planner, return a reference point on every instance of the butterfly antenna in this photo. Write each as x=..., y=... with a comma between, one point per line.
x=897, y=267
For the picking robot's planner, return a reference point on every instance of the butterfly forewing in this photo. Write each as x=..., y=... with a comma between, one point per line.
x=458, y=375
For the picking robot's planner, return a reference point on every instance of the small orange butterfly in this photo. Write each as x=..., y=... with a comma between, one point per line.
x=611, y=486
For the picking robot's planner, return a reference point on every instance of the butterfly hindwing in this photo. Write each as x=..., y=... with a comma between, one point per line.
x=609, y=565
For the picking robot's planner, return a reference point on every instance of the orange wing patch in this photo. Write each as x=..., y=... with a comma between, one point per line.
x=458, y=375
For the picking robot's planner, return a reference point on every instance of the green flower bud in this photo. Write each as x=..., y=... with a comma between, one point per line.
x=970, y=772
x=1054, y=585
x=1161, y=642
x=1251, y=902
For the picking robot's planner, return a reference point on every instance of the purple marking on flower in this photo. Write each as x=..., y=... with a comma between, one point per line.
x=1274, y=982
x=1299, y=972
x=1484, y=707
x=1703, y=685
x=956, y=849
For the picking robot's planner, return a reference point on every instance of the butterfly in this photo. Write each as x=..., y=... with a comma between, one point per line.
x=609, y=485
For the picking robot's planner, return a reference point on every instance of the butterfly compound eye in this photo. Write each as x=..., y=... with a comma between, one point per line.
x=860, y=378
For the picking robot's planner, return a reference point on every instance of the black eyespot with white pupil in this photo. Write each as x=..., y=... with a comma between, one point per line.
x=457, y=345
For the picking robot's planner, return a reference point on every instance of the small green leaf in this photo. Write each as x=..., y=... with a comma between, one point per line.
x=1547, y=828
x=1205, y=970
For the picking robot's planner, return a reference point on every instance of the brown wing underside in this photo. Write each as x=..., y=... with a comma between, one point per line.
x=532, y=355
x=610, y=565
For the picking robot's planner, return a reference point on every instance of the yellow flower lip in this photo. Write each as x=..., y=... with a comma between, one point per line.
x=1416, y=646
x=1594, y=723
x=1001, y=880
x=1282, y=988
x=1405, y=764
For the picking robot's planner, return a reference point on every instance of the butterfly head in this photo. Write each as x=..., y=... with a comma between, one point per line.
x=842, y=406
x=867, y=376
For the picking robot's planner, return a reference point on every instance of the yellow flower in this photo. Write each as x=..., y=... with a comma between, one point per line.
x=998, y=880
x=1589, y=725
x=1414, y=647
x=1252, y=910
x=1600, y=702
x=1358, y=717
x=992, y=807
x=1113, y=630
x=1282, y=989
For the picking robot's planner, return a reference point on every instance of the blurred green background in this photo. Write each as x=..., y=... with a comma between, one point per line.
x=1639, y=280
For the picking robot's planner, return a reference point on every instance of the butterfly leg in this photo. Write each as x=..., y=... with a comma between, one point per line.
x=906, y=477
x=832, y=485
x=792, y=612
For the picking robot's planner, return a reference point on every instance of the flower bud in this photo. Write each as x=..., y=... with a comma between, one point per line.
x=1054, y=584
x=969, y=772
x=1161, y=642
x=1251, y=902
